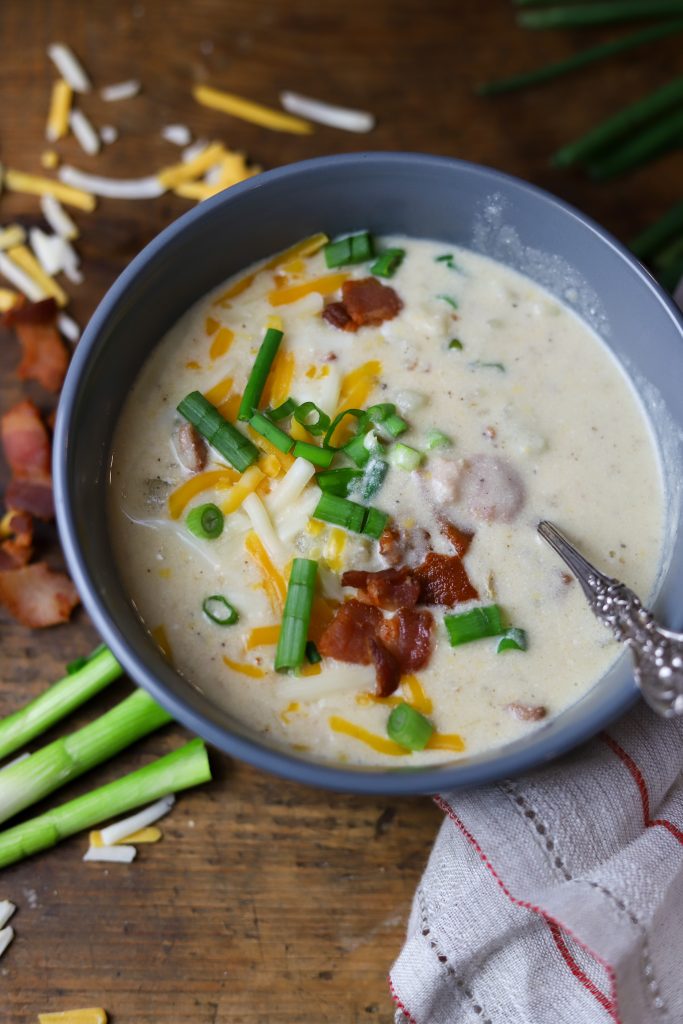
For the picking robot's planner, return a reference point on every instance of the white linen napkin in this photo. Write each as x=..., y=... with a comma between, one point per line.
x=557, y=898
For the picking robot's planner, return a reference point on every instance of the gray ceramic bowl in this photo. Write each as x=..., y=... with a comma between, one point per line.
x=385, y=192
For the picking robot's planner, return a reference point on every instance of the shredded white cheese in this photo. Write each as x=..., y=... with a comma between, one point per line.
x=7, y=908
x=111, y=854
x=68, y=328
x=6, y=936
x=124, y=828
x=264, y=530
x=197, y=147
x=120, y=91
x=291, y=486
x=326, y=113
x=112, y=188
x=21, y=280
x=57, y=217
x=47, y=250
x=86, y=135
x=108, y=134
x=178, y=134
x=11, y=236
x=69, y=67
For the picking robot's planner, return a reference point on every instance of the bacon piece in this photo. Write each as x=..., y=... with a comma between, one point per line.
x=336, y=314
x=408, y=636
x=348, y=636
x=460, y=539
x=17, y=548
x=400, y=547
x=45, y=357
x=387, y=669
x=191, y=448
x=36, y=596
x=527, y=712
x=443, y=580
x=389, y=588
x=26, y=444
x=369, y=302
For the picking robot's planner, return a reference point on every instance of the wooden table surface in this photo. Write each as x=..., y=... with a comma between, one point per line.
x=266, y=901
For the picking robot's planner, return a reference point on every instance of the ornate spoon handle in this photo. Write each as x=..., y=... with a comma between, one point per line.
x=657, y=652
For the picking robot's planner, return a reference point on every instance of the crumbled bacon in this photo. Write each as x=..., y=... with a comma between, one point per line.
x=337, y=315
x=527, y=712
x=348, y=636
x=389, y=588
x=37, y=596
x=26, y=445
x=191, y=448
x=387, y=669
x=403, y=547
x=45, y=357
x=369, y=302
x=24, y=312
x=17, y=547
x=460, y=539
x=408, y=636
x=443, y=580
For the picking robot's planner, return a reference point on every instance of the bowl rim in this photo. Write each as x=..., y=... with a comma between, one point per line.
x=400, y=781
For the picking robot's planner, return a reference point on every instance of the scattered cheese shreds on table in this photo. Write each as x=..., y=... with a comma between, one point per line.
x=178, y=134
x=69, y=67
x=111, y=188
x=120, y=90
x=326, y=113
x=124, y=828
x=6, y=936
x=60, y=107
x=11, y=236
x=68, y=328
x=151, y=834
x=248, y=110
x=8, y=298
x=85, y=134
x=109, y=134
x=27, y=262
x=89, y=1015
x=187, y=170
x=7, y=909
x=57, y=217
x=32, y=184
x=110, y=854
x=16, y=276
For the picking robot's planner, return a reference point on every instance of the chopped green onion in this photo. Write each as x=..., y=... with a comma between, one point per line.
x=205, y=521
x=375, y=523
x=449, y=260
x=621, y=125
x=32, y=779
x=352, y=249
x=341, y=512
x=582, y=14
x=371, y=479
x=658, y=138
x=450, y=300
x=312, y=453
x=388, y=262
x=384, y=416
x=259, y=373
x=512, y=640
x=319, y=425
x=313, y=655
x=219, y=610
x=408, y=727
x=357, y=450
x=58, y=701
x=358, y=413
x=435, y=439
x=477, y=364
x=395, y=425
x=239, y=451
x=79, y=663
x=291, y=645
x=455, y=343
x=662, y=231
x=578, y=60
x=186, y=767
x=337, y=481
x=404, y=457
x=474, y=625
x=263, y=426
x=283, y=411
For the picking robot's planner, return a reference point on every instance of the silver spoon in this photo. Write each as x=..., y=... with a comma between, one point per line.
x=657, y=652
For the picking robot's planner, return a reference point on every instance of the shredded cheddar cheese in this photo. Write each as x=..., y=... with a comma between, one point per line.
x=270, y=466
x=151, y=834
x=269, y=448
x=211, y=325
x=176, y=174
x=49, y=159
x=230, y=407
x=317, y=372
x=91, y=1015
x=24, y=258
x=212, y=478
x=8, y=298
x=161, y=640
x=262, y=636
x=60, y=108
x=247, y=110
x=219, y=392
x=244, y=668
x=444, y=741
x=290, y=710
x=221, y=342
x=306, y=247
x=31, y=184
x=192, y=364
x=246, y=484
x=12, y=236
x=325, y=285
x=416, y=696
x=355, y=390
x=379, y=743
x=279, y=381
x=273, y=581
x=315, y=527
x=334, y=549
x=310, y=670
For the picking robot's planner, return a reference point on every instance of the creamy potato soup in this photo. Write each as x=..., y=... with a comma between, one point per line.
x=369, y=588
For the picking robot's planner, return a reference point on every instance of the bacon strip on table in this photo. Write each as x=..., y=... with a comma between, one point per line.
x=45, y=357
x=37, y=596
x=17, y=547
x=26, y=445
x=364, y=302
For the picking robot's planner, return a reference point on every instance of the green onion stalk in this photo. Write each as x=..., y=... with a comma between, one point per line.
x=182, y=769
x=666, y=133
x=59, y=701
x=649, y=243
x=28, y=781
x=608, y=12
